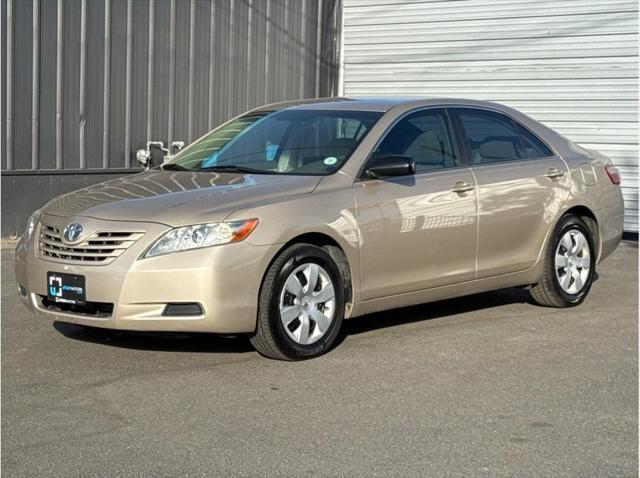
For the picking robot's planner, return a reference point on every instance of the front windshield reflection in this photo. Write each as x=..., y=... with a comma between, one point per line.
x=299, y=142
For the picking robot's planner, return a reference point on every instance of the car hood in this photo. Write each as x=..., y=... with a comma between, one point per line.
x=177, y=198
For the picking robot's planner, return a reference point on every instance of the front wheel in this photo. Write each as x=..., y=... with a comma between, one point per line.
x=301, y=304
x=569, y=265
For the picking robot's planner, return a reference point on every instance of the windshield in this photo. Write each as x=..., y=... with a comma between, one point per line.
x=302, y=142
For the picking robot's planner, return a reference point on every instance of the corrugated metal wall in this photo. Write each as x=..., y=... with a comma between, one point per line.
x=572, y=64
x=87, y=82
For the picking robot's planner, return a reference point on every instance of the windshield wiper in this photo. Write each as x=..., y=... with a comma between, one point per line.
x=173, y=167
x=236, y=169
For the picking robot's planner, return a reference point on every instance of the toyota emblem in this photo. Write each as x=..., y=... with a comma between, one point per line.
x=72, y=232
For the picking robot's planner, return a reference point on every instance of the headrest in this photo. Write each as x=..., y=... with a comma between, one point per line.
x=498, y=150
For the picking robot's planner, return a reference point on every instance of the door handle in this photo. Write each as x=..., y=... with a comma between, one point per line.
x=461, y=187
x=553, y=173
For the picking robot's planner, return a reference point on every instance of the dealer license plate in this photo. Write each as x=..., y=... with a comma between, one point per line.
x=66, y=288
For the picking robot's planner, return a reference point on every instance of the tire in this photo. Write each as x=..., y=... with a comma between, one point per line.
x=286, y=292
x=564, y=282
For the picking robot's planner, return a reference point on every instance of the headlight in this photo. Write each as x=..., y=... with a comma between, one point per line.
x=31, y=223
x=201, y=235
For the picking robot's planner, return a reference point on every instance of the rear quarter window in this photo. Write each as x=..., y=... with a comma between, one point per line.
x=533, y=146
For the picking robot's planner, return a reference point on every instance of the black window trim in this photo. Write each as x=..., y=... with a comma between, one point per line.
x=516, y=123
x=453, y=133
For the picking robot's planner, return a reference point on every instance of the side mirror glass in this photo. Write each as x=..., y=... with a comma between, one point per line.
x=391, y=166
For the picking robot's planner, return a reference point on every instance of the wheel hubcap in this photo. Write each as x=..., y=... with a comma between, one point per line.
x=307, y=304
x=572, y=261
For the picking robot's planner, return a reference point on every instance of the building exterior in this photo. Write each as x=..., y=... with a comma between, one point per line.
x=572, y=65
x=85, y=83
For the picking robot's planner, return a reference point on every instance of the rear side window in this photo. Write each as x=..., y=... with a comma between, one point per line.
x=425, y=137
x=533, y=147
x=491, y=137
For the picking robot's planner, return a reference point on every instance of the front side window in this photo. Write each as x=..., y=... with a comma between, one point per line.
x=425, y=137
x=300, y=142
x=491, y=137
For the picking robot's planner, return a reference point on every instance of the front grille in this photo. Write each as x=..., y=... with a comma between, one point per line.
x=92, y=309
x=100, y=248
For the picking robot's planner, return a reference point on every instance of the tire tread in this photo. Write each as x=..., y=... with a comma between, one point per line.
x=264, y=340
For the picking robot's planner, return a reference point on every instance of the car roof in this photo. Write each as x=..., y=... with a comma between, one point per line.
x=380, y=104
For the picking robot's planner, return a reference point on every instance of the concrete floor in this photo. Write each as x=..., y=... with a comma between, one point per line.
x=488, y=385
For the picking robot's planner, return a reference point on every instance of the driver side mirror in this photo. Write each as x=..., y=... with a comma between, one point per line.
x=391, y=166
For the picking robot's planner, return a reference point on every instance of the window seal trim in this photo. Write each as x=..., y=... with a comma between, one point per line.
x=513, y=161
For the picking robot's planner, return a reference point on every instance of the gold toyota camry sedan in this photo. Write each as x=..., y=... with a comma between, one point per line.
x=293, y=217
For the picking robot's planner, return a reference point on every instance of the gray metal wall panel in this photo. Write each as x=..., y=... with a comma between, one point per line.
x=139, y=75
x=70, y=83
x=293, y=30
x=181, y=74
x=572, y=65
x=200, y=114
x=95, y=75
x=257, y=51
x=257, y=65
x=238, y=53
x=117, y=80
x=312, y=43
x=22, y=41
x=276, y=49
x=3, y=67
x=160, y=82
x=47, y=88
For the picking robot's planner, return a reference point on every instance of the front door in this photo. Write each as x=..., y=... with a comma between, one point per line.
x=417, y=232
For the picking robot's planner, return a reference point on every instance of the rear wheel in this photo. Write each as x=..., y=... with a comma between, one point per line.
x=569, y=265
x=301, y=304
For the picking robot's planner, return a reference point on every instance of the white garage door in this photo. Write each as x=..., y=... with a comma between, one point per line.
x=571, y=64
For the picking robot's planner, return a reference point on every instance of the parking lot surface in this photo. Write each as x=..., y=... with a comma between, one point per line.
x=487, y=385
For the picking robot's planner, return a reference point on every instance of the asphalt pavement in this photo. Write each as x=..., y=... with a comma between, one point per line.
x=488, y=385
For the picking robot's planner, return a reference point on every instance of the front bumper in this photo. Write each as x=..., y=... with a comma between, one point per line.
x=224, y=280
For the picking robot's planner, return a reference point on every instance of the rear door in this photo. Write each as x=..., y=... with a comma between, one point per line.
x=417, y=231
x=520, y=185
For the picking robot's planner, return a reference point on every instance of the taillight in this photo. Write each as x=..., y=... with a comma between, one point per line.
x=613, y=173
